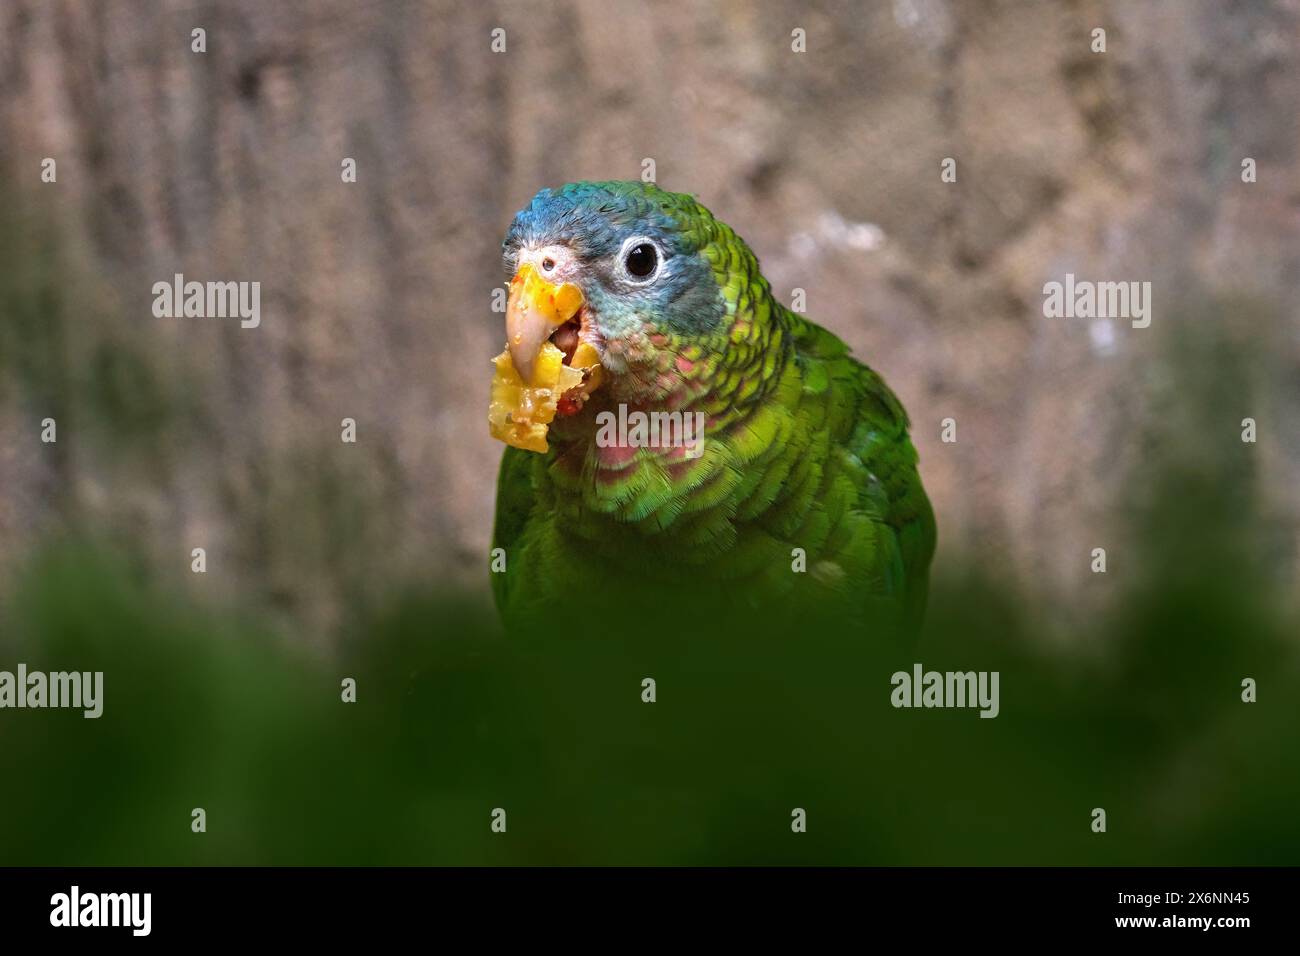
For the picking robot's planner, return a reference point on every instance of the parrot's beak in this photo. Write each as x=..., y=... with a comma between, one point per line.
x=535, y=310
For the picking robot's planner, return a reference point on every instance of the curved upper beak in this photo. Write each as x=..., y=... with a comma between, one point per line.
x=535, y=309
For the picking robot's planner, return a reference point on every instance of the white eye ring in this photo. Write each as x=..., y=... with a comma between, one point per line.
x=625, y=252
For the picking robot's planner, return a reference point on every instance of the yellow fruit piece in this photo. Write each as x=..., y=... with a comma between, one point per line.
x=586, y=360
x=520, y=413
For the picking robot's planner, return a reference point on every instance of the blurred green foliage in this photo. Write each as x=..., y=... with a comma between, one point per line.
x=1141, y=715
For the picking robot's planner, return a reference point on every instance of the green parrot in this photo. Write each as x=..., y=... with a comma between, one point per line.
x=700, y=434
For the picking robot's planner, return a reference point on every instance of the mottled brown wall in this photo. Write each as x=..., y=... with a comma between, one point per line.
x=375, y=296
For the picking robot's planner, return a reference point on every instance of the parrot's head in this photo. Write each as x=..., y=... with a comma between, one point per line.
x=643, y=281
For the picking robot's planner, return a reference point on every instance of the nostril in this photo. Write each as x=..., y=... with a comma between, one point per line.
x=548, y=264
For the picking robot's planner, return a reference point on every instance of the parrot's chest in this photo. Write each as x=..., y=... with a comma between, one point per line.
x=683, y=543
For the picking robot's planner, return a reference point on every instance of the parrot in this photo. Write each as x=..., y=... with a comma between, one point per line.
x=782, y=470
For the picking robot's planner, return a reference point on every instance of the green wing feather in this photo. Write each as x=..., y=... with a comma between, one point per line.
x=871, y=426
x=515, y=499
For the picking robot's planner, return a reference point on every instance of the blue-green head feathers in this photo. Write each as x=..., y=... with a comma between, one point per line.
x=602, y=223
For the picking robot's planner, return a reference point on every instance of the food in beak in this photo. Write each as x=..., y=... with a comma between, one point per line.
x=545, y=367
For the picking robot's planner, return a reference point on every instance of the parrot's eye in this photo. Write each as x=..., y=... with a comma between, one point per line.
x=641, y=260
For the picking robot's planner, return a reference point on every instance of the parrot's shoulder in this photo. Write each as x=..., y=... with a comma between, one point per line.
x=811, y=340
x=869, y=425
x=826, y=362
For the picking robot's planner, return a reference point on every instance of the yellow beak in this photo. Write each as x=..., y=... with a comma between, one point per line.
x=535, y=309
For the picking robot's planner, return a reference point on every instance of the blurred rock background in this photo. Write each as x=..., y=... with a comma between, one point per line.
x=225, y=165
